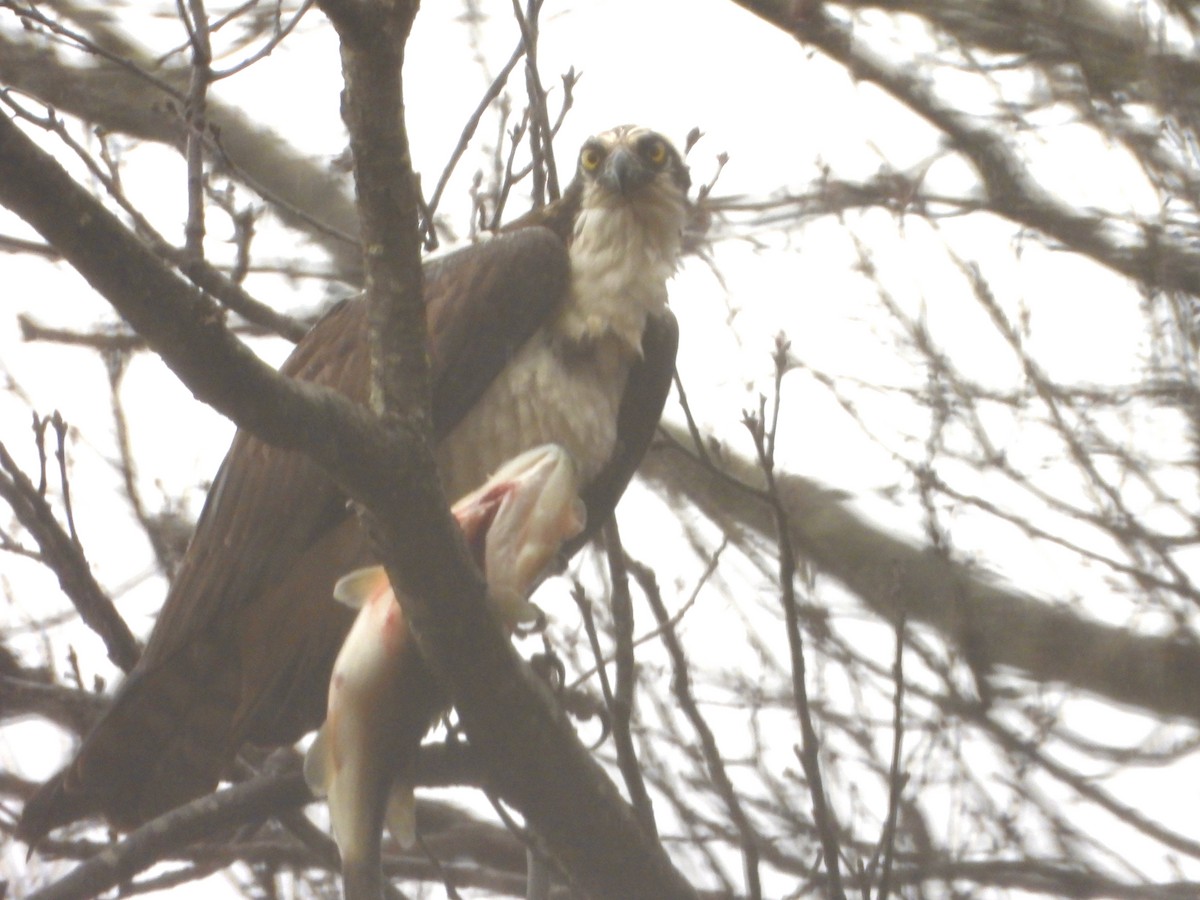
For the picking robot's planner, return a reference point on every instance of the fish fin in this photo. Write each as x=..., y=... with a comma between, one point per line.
x=526, y=612
x=513, y=607
x=316, y=764
x=401, y=814
x=355, y=588
x=578, y=520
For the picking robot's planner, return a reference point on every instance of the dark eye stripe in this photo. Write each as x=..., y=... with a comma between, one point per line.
x=653, y=149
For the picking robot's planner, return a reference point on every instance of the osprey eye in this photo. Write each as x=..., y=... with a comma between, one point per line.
x=655, y=151
x=590, y=158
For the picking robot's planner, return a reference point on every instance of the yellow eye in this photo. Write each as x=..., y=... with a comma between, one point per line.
x=655, y=151
x=590, y=158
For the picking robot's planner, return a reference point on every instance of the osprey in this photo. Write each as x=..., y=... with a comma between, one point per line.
x=554, y=331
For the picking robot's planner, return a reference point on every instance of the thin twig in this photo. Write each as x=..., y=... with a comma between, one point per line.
x=622, y=700
x=896, y=777
x=809, y=751
x=464, y=139
x=116, y=362
x=195, y=20
x=682, y=688
x=656, y=632
x=541, y=147
x=508, y=179
x=65, y=557
x=202, y=273
x=31, y=15
x=59, y=424
x=268, y=48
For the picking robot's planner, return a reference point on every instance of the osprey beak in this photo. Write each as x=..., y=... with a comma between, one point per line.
x=624, y=172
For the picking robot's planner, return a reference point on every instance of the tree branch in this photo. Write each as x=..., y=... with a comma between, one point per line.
x=1163, y=259
x=164, y=835
x=533, y=758
x=300, y=189
x=894, y=577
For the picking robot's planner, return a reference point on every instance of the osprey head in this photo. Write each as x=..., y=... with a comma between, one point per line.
x=631, y=164
x=630, y=202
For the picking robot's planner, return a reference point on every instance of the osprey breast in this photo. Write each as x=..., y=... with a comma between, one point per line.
x=541, y=396
x=565, y=384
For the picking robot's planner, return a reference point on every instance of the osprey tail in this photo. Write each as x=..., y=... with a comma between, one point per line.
x=162, y=743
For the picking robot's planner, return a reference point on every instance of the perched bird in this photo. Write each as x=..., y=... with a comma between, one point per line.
x=381, y=702
x=554, y=331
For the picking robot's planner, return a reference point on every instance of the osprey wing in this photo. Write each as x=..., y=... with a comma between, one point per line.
x=485, y=306
x=637, y=420
x=247, y=635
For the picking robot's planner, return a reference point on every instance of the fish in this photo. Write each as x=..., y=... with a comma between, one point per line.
x=382, y=698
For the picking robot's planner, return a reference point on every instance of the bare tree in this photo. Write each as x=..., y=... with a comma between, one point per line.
x=980, y=678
